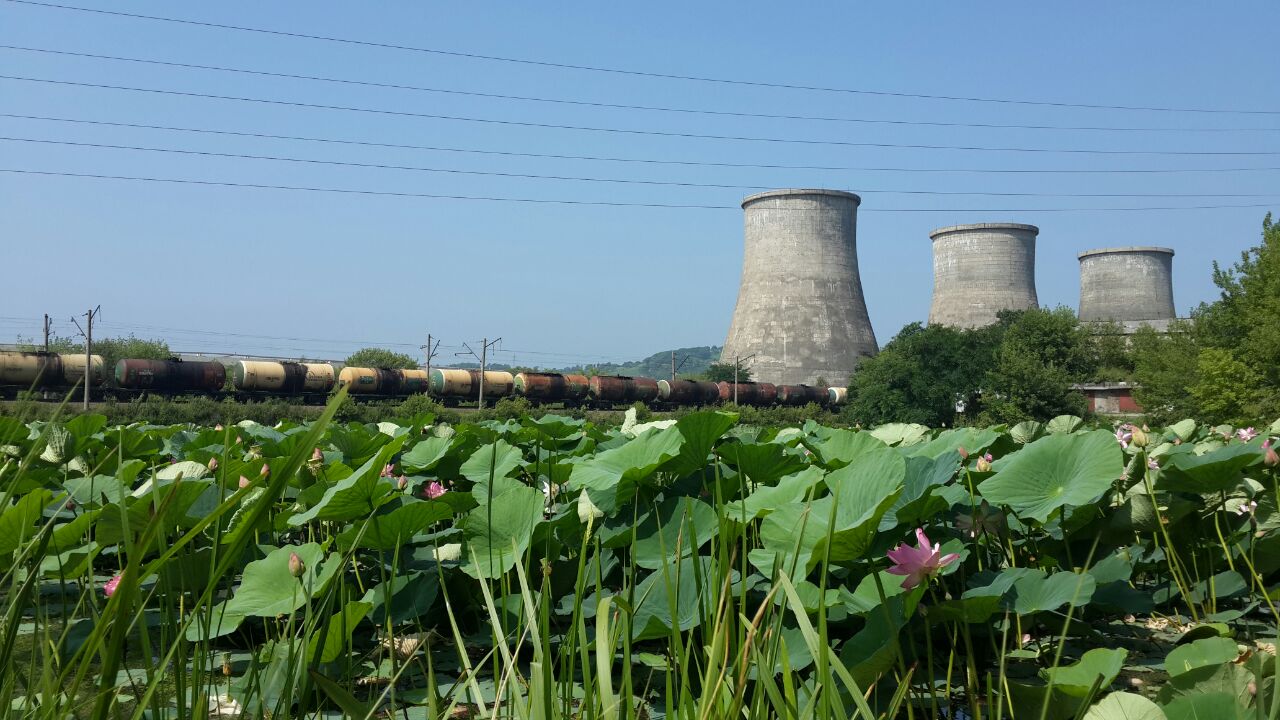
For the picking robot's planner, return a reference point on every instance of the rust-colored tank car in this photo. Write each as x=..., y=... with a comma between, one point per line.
x=39, y=369
x=802, y=395
x=290, y=378
x=453, y=383
x=382, y=381
x=171, y=376
x=837, y=395
x=550, y=387
x=622, y=389
x=688, y=392
x=749, y=393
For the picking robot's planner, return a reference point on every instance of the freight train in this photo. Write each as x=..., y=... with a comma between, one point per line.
x=52, y=375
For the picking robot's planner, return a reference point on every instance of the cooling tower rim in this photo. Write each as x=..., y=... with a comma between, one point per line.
x=984, y=226
x=1126, y=250
x=798, y=192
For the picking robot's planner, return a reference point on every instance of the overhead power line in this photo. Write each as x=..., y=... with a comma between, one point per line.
x=379, y=166
x=621, y=106
x=640, y=73
x=648, y=161
x=609, y=203
x=629, y=131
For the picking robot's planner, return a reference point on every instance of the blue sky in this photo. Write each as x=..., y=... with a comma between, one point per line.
x=319, y=274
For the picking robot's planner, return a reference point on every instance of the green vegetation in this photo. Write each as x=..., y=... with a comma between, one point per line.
x=112, y=350
x=380, y=358
x=693, y=362
x=547, y=568
x=725, y=372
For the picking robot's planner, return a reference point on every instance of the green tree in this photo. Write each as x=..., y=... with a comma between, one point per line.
x=1042, y=352
x=373, y=357
x=1226, y=390
x=1113, y=358
x=723, y=372
x=112, y=350
x=921, y=375
x=1166, y=368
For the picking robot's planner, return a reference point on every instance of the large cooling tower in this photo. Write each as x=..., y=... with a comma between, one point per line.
x=800, y=307
x=1127, y=284
x=981, y=269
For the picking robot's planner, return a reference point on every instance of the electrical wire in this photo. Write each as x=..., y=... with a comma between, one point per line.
x=622, y=106
x=344, y=163
x=389, y=193
x=640, y=73
x=653, y=161
x=630, y=131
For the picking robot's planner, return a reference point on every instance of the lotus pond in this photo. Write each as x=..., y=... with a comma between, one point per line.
x=693, y=568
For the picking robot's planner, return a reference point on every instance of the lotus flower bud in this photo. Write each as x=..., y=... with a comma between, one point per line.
x=266, y=470
x=218, y=427
x=296, y=566
x=109, y=588
x=317, y=456
x=402, y=482
x=964, y=454
x=244, y=482
x=1139, y=438
x=1269, y=457
x=213, y=463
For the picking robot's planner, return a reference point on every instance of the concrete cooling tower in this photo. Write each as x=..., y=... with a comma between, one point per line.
x=800, y=307
x=981, y=269
x=1129, y=285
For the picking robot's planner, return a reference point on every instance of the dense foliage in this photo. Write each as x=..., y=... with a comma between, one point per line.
x=380, y=358
x=546, y=568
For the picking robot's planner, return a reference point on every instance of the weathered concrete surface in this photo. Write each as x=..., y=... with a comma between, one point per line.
x=981, y=269
x=1127, y=284
x=800, y=306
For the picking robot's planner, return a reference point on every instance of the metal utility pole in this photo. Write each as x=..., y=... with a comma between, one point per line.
x=673, y=366
x=87, y=332
x=483, y=358
x=737, y=363
x=430, y=349
x=46, y=332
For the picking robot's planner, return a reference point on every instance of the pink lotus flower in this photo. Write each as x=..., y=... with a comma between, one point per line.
x=1269, y=456
x=213, y=463
x=109, y=588
x=266, y=470
x=1248, y=508
x=244, y=481
x=402, y=482
x=1124, y=435
x=296, y=566
x=1246, y=434
x=1153, y=464
x=218, y=427
x=984, y=463
x=433, y=490
x=920, y=563
x=317, y=456
x=388, y=471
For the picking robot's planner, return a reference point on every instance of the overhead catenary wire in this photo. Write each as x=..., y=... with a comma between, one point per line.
x=609, y=203
x=626, y=106
x=531, y=176
x=612, y=159
x=632, y=131
x=641, y=73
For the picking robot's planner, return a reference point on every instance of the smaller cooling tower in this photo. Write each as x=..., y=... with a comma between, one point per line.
x=981, y=269
x=1127, y=284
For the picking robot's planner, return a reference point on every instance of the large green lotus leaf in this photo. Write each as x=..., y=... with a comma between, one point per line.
x=701, y=431
x=1063, y=424
x=1183, y=429
x=975, y=609
x=996, y=584
x=789, y=534
x=1032, y=594
x=1054, y=471
x=356, y=442
x=1227, y=678
x=762, y=463
x=973, y=440
x=918, y=501
x=132, y=442
x=495, y=460
x=89, y=491
x=356, y=495
x=404, y=597
x=863, y=492
x=1026, y=432
x=337, y=633
x=1205, y=706
x=611, y=476
x=1201, y=653
x=834, y=448
x=268, y=589
x=498, y=533
x=176, y=497
x=1096, y=668
x=682, y=523
x=1212, y=472
x=1030, y=698
x=390, y=530
x=1124, y=706
x=17, y=522
x=872, y=651
x=557, y=427
x=767, y=498
x=669, y=597
x=187, y=469
x=866, y=596
x=900, y=434
x=424, y=455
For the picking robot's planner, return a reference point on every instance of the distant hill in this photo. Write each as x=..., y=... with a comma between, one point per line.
x=692, y=361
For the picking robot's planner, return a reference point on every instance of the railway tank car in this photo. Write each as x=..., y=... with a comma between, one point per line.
x=612, y=389
x=383, y=382
x=748, y=393
x=255, y=377
x=453, y=385
x=803, y=395
x=20, y=371
x=172, y=376
x=688, y=392
x=551, y=387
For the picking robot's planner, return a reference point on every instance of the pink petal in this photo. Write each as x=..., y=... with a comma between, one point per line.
x=922, y=538
x=898, y=570
x=946, y=560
